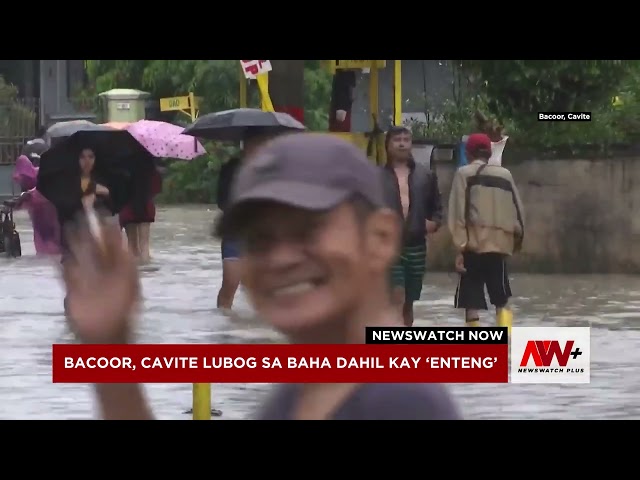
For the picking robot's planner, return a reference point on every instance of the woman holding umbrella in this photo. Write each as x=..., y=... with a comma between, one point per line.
x=89, y=168
x=89, y=192
x=92, y=192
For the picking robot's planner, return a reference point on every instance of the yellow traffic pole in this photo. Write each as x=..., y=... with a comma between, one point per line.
x=202, y=401
x=201, y=406
x=263, y=86
x=397, y=92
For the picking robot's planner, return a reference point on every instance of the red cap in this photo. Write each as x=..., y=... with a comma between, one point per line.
x=477, y=142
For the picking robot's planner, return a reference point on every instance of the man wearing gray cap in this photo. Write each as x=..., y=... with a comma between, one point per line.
x=317, y=244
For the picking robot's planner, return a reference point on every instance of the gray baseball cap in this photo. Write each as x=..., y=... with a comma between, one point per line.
x=311, y=171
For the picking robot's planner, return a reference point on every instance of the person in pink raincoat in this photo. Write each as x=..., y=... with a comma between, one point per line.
x=44, y=218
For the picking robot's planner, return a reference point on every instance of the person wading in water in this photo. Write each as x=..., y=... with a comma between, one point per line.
x=230, y=250
x=411, y=190
x=318, y=243
x=486, y=221
x=137, y=217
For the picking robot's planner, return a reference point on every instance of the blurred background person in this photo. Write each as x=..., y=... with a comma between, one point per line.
x=496, y=133
x=136, y=217
x=42, y=213
x=230, y=251
x=342, y=96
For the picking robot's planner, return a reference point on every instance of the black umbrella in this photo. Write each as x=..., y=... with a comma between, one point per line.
x=233, y=125
x=116, y=155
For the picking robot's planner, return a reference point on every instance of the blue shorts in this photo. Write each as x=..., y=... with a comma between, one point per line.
x=230, y=250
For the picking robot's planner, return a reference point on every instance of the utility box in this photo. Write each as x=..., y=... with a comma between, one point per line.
x=124, y=104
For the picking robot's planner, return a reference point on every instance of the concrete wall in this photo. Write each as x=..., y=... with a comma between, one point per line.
x=582, y=216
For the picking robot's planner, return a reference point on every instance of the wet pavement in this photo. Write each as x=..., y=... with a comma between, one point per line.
x=179, y=308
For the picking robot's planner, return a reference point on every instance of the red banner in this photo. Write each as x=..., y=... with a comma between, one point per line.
x=459, y=363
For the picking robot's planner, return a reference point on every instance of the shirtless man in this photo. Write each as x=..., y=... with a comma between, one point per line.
x=412, y=191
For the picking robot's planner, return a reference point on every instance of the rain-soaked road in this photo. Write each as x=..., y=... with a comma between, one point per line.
x=179, y=308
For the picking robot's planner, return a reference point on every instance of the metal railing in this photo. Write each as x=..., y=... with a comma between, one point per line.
x=10, y=148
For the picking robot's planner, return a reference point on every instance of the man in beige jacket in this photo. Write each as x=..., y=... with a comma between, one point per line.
x=486, y=220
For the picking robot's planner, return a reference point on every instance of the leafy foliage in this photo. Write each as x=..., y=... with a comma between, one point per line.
x=511, y=93
x=16, y=119
x=518, y=86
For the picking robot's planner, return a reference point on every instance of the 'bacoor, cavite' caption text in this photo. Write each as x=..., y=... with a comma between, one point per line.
x=564, y=116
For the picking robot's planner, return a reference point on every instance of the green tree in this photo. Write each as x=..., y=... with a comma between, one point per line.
x=519, y=86
x=16, y=118
x=512, y=92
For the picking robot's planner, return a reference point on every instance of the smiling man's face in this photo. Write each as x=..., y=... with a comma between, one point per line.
x=303, y=269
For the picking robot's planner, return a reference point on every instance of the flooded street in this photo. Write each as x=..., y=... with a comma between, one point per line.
x=180, y=308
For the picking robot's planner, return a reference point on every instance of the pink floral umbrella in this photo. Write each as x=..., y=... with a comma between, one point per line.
x=162, y=140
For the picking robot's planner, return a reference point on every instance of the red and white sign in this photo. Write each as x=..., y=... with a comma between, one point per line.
x=253, y=68
x=440, y=363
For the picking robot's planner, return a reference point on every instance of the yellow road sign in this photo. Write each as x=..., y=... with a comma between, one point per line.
x=175, y=103
x=187, y=104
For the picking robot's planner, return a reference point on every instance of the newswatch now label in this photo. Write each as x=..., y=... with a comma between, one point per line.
x=551, y=355
x=437, y=335
x=564, y=116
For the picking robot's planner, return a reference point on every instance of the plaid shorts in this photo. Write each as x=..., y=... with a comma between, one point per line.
x=409, y=270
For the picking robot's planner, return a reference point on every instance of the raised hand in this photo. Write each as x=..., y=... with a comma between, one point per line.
x=102, y=286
